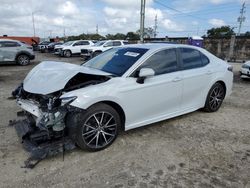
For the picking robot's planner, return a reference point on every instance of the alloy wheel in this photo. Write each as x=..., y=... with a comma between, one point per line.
x=99, y=130
x=216, y=97
x=23, y=60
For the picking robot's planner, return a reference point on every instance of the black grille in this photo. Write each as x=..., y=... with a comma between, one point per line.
x=84, y=51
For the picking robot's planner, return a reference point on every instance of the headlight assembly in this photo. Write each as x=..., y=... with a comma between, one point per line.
x=67, y=100
x=245, y=66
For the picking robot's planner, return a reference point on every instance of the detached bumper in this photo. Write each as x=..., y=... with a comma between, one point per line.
x=26, y=132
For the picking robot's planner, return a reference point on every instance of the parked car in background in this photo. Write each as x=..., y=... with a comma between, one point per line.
x=121, y=89
x=43, y=46
x=52, y=45
x=100, y=47
x=58, y=48
x=245, y=70
x=15, y=51
x=72, y=47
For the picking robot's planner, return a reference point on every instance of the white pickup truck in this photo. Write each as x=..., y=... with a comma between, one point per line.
x=72, y=47
x=100, y=47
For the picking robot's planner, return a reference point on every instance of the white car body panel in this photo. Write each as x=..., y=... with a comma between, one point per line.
x=50, y=76
x=76, y=49
x=101, y=48
x=245, y=72
x=160, y=97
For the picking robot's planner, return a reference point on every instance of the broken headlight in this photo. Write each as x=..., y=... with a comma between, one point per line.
x=67, y=100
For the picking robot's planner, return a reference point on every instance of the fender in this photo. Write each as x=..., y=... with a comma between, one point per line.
x=23, y=52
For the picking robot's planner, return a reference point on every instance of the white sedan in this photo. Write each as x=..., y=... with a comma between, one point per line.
x=121, y=89
x=245, y=70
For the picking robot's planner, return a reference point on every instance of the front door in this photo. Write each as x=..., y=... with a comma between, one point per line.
x=159, y=96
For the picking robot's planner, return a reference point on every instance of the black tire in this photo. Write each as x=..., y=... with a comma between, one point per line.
x=23, y=59
x=96, y=54
x=67, y=53
x=215, y=98
x=88, y=134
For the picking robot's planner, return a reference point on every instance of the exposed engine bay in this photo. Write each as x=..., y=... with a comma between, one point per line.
x=43, y=127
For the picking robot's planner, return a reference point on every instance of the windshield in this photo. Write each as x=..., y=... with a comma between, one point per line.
x=68, y=43
x=100, y=43
x=116, y=61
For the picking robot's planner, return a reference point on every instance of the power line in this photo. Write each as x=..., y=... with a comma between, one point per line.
x=168, y=7
x=221, y=8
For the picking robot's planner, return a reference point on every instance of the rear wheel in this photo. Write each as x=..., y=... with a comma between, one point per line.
x=97, y=128
x=23, y=59
x=215, y=97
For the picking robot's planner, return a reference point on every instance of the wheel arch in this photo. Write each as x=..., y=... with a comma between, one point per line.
x=223, y=84
x=22, y=53
x=67, y=49
x=118, y=108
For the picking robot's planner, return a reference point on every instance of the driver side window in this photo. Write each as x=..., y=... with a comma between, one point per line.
x=77, y=44
x=108, y=44
x=162, y=62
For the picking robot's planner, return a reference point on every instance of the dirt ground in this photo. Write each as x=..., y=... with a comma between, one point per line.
x=195, y=150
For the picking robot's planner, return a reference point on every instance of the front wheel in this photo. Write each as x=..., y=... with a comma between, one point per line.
x=67, y=53
x=215, y=98
x=23, y=59
x=97, y=128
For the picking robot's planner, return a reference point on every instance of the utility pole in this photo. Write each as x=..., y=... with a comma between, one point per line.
x=64, y=34
x=242, y=18
x=155, y=27
x=143, y=2
x=50, y=33
x=97, y=29
x=33, y=21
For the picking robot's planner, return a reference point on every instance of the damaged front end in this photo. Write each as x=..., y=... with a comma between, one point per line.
x=43, y=129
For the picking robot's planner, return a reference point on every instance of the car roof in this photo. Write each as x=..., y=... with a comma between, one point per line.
x=6, y=40
x=156, y=46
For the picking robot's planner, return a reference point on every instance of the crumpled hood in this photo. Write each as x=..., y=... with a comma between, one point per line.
x=51, y=76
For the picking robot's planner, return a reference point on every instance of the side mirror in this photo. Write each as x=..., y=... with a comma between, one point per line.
x=144, y=73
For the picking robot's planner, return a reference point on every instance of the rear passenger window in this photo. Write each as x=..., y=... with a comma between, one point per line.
x=192, y=58
x=204, y=59
x=162, y=62
x=10, y=44
x=85, y=43
x=116, y=43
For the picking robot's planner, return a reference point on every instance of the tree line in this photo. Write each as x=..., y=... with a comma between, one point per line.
x=149, y=33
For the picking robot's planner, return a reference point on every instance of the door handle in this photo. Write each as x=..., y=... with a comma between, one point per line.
x=177, y=79
x=209, y=72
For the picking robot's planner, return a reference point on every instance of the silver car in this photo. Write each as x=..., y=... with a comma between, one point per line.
x=15, y=51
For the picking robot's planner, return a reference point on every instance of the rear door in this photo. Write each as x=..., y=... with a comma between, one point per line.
x=8, y=50
x=197, y=74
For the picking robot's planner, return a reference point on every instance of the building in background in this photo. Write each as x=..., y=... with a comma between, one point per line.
x=27, y=40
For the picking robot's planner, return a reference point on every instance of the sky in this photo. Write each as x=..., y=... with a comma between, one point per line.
x=175, y=18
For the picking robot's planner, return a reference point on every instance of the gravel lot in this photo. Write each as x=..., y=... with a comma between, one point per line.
x=195, y=150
